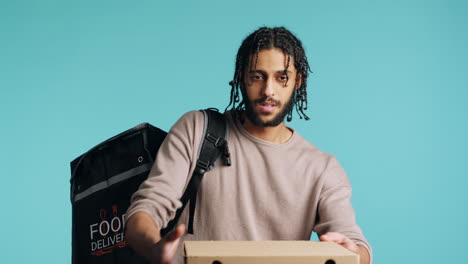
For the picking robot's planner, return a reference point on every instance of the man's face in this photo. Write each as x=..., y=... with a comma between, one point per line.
x=269, y=88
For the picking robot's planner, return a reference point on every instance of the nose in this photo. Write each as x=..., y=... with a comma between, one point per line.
x=269, y=89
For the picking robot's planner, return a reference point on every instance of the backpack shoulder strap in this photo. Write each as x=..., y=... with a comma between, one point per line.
x=213, y=145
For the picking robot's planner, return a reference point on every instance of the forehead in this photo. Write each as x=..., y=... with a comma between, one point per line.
x=271, y=60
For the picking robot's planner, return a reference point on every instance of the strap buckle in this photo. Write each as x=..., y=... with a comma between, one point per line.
x=202, y=166
x=217, y=141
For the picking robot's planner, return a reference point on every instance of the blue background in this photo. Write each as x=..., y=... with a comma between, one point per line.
x=387, y=97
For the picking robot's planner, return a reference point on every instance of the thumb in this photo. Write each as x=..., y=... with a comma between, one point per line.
x=332, y=237
x=324, y=238
x=176, y=233
x=171, y=244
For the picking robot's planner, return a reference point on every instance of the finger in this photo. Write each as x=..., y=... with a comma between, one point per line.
x=180, y=230
x=349, y=244
x=340, y=239
x=167, y=261
x=333, y=237
x=176, y=233
x=172, y=241
x=170, y=249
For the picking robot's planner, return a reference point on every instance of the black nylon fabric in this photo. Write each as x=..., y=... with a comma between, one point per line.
x=104, y=179
x=98, y=216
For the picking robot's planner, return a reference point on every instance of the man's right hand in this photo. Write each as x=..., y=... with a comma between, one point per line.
x=142, y=234
x=165, y=250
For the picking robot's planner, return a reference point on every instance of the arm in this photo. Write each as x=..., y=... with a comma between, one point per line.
x=142, y=234
x=364, y=255
x=335, y=214
x=155, y=203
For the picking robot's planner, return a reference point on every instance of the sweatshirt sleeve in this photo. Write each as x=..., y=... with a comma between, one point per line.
x=335, y=212
x=159, y=195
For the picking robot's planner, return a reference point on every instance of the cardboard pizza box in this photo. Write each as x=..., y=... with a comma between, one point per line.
x=267, y=252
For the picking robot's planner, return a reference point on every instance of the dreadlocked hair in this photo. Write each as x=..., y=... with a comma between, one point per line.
x=268, y=38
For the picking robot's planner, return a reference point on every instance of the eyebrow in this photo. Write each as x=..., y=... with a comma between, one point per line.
x=264, y=72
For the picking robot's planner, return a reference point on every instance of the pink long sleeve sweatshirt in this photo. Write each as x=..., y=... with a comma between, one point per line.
x=270, y=192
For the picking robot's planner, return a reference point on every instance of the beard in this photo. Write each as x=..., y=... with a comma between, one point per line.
x=254, y=117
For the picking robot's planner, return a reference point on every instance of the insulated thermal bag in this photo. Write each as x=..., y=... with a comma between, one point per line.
x=102, y=182
x=105, y=177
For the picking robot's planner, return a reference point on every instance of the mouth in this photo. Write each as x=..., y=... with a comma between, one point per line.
x=267, y=106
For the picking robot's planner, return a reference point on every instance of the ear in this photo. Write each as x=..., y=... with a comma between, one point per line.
x=298, y=81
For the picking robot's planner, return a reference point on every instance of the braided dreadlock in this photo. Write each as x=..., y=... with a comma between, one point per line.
x=267, y=38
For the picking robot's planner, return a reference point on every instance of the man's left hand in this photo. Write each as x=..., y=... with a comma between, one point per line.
x=347, y=243
x=340, y=239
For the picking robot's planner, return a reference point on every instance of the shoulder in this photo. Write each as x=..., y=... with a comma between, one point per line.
x=190, y=118
x=326, y=165
x=188, y=123
x=186, y=131
x=307, y=149
x=334, y=176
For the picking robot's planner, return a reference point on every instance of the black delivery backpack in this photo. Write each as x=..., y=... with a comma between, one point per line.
x=104, y=178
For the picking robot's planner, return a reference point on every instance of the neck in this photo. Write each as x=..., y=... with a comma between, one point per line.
x=279, y=134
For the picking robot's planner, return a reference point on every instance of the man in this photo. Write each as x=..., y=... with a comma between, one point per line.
x=279, y=187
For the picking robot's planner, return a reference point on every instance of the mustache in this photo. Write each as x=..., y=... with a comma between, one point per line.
x=267, y=99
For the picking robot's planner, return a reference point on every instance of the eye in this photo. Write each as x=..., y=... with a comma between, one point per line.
x=283, y=78
x=256, y=77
